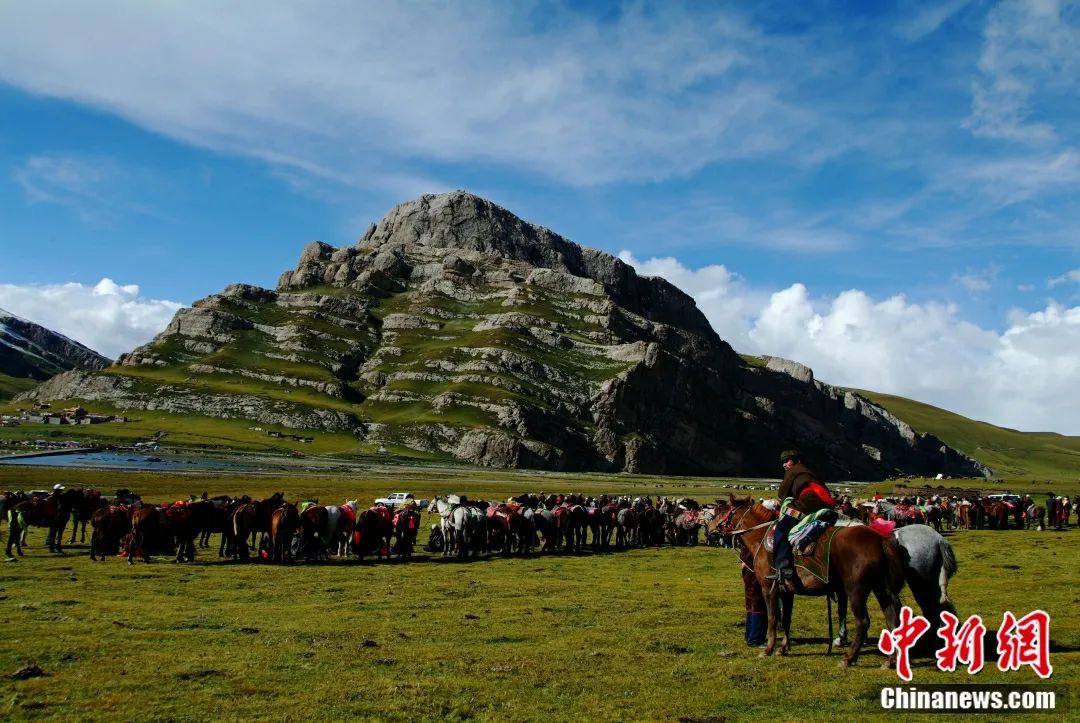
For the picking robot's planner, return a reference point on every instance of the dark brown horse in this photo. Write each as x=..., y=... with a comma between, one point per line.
x=406, y=527
x=83, y=508
x=374, y=528
x=108, y=526
x=861, y=562
x=51, y=512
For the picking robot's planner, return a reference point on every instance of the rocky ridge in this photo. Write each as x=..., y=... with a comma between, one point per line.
x=30, y=351
x=455, y=328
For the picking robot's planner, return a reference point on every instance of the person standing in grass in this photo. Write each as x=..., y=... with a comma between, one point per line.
x=754, y=601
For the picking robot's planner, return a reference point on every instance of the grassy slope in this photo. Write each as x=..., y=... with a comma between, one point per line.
x=10, y=386
x=641, y=635
x=1008, y=452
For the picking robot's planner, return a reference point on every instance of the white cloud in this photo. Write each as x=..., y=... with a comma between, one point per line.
x=928, y=18
x=1028, y=47
x=331, y=88
x=1066, y=278
x=1026, y=377
x=978, y=280
x=107, y=317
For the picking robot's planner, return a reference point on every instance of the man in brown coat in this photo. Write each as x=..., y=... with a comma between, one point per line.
x=804, y=494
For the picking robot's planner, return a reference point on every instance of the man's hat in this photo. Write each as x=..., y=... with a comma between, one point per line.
x=789, y=454
x=58, y=486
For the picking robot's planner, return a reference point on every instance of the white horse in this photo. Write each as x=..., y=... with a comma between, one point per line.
x=929, y=563
x=441, y=507
x=340, y=522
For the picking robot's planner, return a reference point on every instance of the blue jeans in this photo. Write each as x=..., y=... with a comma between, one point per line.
x=782, y=557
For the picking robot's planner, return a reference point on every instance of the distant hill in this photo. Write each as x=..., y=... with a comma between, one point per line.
x=457, y=330
x=1007, y=452
x=30, y=354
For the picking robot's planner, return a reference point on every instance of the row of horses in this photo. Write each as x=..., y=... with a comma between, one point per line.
x=273, y=528
x=977, y=513
x=278, y=530
x=570, y=523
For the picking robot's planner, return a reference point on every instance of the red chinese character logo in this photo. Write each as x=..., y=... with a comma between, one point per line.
x=908, y=631
x=1025, y=642
x=963, y=646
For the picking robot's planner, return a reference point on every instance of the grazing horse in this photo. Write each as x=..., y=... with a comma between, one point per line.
x=108, y=525
x=627, y=530
x=315, y=532
x=85, y=505
x=685, y=527
x=145, y=530
x=284, y=523
x=340, y=523
x=1036, y=514
x=997, y=514
x=406, y=527
x=250, y=519
x=51, y=512
x=548, y=529
x=441, y=507
x=374, y=528
x=861, y=562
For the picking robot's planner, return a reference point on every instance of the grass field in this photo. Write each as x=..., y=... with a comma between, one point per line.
x=647, y=634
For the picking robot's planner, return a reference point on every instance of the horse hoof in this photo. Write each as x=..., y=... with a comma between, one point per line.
x=844, y=664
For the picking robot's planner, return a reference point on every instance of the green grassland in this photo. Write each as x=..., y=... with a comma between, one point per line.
x=642, y=635
x=10, y=386
x=1008, y=452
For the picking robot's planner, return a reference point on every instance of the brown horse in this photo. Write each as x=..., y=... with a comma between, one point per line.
x=145, y=529
x=1036, y=515
x=284, y=523
x=249, y=519
x=997, y=514
x=861, y=562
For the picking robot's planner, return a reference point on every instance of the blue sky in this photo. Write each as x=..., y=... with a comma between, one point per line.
x=885, y=191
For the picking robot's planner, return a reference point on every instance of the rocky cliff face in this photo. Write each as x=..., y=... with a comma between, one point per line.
x=30, y=351
x=456, y=328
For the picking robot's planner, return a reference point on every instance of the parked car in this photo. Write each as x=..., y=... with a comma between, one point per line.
x=396, y=499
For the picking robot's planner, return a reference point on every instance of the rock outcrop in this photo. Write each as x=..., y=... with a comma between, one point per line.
x=457, y=329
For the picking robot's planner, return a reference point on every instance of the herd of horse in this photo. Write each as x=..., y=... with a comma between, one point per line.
x=975, y=512
x=276, y=530
x=864, y=560
x=272, y=529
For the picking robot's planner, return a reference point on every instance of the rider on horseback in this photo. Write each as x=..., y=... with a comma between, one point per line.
x=801, y=493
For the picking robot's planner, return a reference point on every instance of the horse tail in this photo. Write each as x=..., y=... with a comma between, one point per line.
x=894, y=565
x=949, y=567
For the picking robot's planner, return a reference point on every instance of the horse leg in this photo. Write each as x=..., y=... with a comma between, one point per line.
x=74, y=529
x=14, y=532
x=787, y=603
x=772, y=602
x=890, y=607
x=841, y=614
x=857, y=596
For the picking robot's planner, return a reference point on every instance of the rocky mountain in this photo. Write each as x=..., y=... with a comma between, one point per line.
x=457, y=328
x=30, y=353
